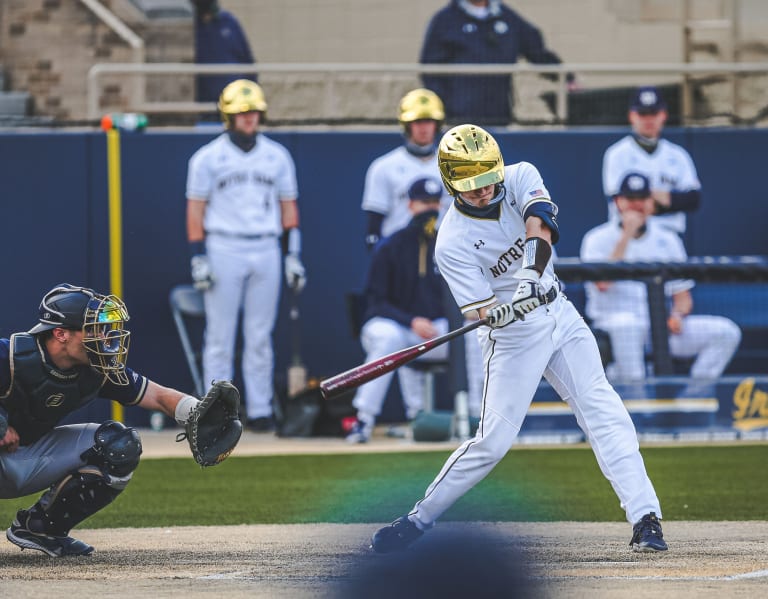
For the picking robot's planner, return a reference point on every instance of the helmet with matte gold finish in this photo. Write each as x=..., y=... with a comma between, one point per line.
x=469, y=158
x=241, y=96
x=420, y=104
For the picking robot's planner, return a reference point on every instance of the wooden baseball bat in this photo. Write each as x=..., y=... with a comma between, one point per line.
x=350, y=379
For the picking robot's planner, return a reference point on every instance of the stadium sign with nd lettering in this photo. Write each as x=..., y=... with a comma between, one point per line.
x=751, y=406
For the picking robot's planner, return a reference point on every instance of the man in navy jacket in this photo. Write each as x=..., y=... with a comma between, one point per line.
x=480, y=31
x=404, y=297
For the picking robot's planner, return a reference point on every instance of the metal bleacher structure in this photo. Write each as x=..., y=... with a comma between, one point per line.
x=720, y=77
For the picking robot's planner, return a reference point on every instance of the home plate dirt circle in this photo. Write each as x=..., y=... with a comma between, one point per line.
x=555, y=559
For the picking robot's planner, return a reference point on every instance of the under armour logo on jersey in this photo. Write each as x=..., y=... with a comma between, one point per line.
x=480, y=243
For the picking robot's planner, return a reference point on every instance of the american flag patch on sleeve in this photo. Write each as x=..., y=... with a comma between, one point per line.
x=536, y=192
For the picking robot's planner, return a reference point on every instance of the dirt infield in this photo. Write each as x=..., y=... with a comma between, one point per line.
x=575, y=560
x=565, y=559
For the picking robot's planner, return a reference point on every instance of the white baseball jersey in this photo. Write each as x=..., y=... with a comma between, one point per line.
x=387, y=182
x=657, y=244
x=242, y=188
x=478, y=256
x=669, y=167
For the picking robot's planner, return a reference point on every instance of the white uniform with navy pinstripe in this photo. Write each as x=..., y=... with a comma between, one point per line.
x=477, y=257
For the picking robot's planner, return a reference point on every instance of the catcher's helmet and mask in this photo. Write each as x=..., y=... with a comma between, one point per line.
x=242, y=95
x=99, y=317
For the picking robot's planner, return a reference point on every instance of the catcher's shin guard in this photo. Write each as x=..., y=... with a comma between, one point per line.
x=110, y=464
x=72, y=500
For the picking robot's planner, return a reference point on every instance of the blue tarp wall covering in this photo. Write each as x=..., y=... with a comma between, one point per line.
x=54, y=207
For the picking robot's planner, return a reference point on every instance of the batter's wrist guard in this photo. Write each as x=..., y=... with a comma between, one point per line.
x=536, y=254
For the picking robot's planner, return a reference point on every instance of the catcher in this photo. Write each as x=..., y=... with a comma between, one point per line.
x=75, y=353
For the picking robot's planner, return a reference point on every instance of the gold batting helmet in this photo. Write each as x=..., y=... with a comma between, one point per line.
x=469, y=158
x=421, y=104
x=242, y=95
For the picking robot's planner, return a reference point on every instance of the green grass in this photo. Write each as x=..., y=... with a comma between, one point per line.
x=693, y=483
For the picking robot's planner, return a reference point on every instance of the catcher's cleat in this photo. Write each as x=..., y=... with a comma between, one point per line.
x=395, y=537
x=53, y=546
x=647, y=535
x=360, y=432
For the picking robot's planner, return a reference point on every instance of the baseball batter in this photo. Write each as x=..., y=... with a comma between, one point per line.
x=241, y=198
x=621, y=307
x=494, y=250
x=74, y=354
x=668, y=166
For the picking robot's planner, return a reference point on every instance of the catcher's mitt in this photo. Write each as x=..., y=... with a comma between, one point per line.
x=214, y=428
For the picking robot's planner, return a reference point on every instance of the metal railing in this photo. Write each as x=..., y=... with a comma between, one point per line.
x=723, y=270
x=329, y=74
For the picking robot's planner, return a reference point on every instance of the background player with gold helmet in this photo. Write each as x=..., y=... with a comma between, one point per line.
x=241, y=199
x=385, y=197
x=494, y=250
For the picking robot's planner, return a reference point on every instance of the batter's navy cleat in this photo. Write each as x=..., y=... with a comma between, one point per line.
x=53, y=546
x=647, y=535
x=395, y=537
x=360, y=432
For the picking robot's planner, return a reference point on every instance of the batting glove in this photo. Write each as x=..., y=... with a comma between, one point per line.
x=295, y=274
x=202, y=274
x=526, y=297
x=500, y=316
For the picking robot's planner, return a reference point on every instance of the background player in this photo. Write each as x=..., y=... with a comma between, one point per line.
x=241, y=197
x=669, y=167
x=621, y=307
x=494, y=250
x=385, y=196
x=404, y=296
x=76, y=352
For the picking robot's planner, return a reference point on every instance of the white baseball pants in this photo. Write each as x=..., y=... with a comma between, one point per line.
x=553, y=341
x=247, y=280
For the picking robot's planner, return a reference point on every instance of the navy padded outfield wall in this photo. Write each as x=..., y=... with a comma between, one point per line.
x=54, y=190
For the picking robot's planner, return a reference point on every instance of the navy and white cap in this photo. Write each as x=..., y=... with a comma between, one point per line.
x=635, y=185
x=647, y=100
x=426, y=189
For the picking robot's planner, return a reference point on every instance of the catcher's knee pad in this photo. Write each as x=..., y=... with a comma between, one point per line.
x=116, y=449
x=79, y=495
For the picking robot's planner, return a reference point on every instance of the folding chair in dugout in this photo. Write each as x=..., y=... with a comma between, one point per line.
x=187, y=307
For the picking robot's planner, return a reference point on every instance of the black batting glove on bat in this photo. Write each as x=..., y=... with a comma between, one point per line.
x=500, y=316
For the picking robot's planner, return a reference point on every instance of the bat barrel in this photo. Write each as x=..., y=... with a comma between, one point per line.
x=350, y=379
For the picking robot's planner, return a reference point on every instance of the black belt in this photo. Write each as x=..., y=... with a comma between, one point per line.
x=242, y=235
x=549, y=296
